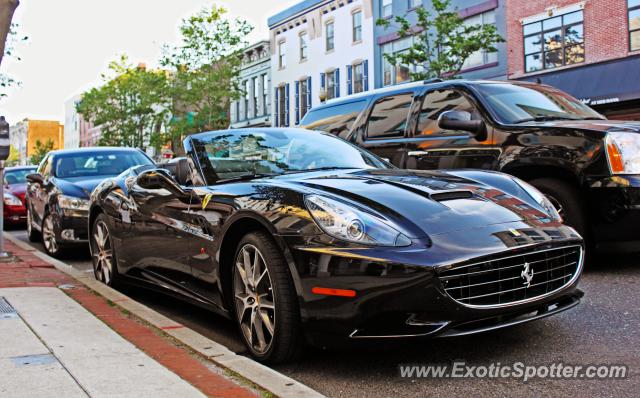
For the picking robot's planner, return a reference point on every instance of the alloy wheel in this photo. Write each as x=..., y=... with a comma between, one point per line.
x=254, y=299
x=29, y=227
x=102, y=253
x=49, y=235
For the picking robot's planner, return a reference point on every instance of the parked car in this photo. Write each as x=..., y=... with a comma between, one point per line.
x=58, y=192
x=588, y=167
x=15, y=184
x=299, y=234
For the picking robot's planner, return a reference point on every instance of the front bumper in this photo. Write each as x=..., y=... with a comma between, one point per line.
x=614, y=212
x=399, y=293
x=71, y=227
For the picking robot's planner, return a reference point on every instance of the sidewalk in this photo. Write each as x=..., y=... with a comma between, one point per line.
x=60, y=339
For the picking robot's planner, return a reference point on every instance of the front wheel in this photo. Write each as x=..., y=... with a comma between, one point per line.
x=49, y=237
x=264, y=300
x=102, y=254
x=566, y=199
x=32, y=234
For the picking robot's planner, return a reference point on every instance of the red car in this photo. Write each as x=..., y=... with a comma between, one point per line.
x=15, y=186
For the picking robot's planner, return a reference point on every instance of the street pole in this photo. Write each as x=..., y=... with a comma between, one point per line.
x=4, y=154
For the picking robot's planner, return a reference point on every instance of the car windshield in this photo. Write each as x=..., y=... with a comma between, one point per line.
x=237, y=153
x=517, y=104
x=103, y=163
x=17, y=176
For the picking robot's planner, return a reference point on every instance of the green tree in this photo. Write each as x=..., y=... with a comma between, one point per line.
x=40, y=151
x=204, y=69
x=130, y=107
x=442, y=42
x=7, y=81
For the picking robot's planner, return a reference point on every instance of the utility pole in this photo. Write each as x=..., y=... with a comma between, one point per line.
x=4, y=154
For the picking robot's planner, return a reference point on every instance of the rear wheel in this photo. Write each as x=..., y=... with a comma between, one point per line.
x=102, y=254
x=264, y=300
x=32, y=234
x=566, y=199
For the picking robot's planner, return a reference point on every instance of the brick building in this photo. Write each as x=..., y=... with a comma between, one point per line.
x=590, y=49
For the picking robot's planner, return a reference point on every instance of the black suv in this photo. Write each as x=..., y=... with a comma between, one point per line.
x=589, y=167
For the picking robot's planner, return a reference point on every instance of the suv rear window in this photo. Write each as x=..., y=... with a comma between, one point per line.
x=337, y=119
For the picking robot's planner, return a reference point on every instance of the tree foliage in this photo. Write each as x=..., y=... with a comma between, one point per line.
x=204, y=69
x=442, y=42
x=7, y=8
x=40, y=151
x=130, y=106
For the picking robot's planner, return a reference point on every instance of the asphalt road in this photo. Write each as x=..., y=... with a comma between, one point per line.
x=603, y=329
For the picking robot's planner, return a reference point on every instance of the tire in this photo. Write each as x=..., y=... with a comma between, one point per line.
x=103, y=255
x=32, y=234
x=566, y=196
x=258, y=309
x=49, y=240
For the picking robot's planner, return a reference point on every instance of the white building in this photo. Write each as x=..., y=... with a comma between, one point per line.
x=320, y=49
x=72, y=120
x=253, y=109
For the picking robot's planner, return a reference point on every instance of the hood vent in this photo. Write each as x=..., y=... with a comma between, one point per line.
x=451, y=195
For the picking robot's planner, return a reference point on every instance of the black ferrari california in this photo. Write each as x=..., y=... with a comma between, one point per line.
x=301, y=236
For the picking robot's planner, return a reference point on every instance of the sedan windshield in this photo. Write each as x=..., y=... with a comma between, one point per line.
x=238, y=153
x=18, y=176
x=103, y=163
x=517, y=104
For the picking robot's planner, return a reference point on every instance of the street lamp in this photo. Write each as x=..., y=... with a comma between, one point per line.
x=4, y=154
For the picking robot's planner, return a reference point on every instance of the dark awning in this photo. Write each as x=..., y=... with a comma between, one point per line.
x=597, y=84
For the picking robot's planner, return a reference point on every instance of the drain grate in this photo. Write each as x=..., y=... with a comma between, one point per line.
x=6, y=310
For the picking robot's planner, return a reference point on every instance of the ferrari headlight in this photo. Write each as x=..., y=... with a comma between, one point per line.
x=623, y=152
x=71, y=203
x=345, y=222
x=540, y=198
x=11, y=200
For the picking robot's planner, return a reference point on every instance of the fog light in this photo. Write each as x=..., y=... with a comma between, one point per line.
x=68, y=234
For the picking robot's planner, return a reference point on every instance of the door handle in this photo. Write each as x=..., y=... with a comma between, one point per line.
x=418, y=153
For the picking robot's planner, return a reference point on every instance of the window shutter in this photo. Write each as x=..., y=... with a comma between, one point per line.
x=349, y=79
x=297, y=102
x=365, y=74
x=309, y=96
x=287, y=104
x=277, y=109
x=337, y=80
x=323, y=84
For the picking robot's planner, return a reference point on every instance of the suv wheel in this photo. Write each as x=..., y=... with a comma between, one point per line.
x=566, y=198
x=264, y=299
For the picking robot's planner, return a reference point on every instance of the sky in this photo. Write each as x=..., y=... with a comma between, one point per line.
x=71, y=42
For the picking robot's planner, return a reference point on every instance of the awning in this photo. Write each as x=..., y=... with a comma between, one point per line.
x=597, y=84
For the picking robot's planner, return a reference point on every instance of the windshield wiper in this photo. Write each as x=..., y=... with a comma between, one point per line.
x=321, y=169
x=545, y=118
x=245, y=177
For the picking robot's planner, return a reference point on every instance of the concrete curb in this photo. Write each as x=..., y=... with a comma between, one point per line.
x=267, y=378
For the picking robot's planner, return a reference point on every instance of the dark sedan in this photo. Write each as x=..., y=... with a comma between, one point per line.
x=58, y=192
x=301, y=235
x=15, y=184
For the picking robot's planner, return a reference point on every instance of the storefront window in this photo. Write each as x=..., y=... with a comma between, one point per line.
x=554, y=42
x=634, y=24
x=399, y=73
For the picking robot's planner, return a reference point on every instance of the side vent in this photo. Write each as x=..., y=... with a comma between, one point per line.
x=451, y=195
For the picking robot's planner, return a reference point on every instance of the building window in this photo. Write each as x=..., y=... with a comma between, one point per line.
x=387, y=8
x=331, y=85
x=303, y=95
x=414, y=4
x=282, y=54
x=330, y=44
x=303, y=46
x=554, y=42
x=256, y=95
x=358, y=78
x=247, y=95
x=265, y=94
x=282, y=106
x=399, y=73
x=357, y=26
x=634, y=24
x=479, y=58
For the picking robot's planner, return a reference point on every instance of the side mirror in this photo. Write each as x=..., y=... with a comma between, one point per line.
x=162, y=179
x=35, y=178
x=461, y=120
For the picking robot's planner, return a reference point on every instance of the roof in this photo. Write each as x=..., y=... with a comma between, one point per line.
x=293, y=11
x=21, y=167
x=94, y=149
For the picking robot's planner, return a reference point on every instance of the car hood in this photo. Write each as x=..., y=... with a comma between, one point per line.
x=595, y=125
x=78, y=187
x=434, y=202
